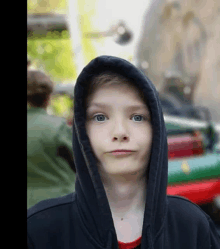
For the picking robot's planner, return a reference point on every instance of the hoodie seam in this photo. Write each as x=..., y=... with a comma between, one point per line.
x=206, y=217
x=204, y=240
x=84, y=228
x=194, y=204
x=159, y=146
x=50, y=207
x=30, y=241
x=162, y=226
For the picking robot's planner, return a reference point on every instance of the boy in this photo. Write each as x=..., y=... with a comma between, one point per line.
x=120, y=153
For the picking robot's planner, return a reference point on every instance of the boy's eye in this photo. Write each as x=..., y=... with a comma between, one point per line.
x=102, y=118
x=138, y=118
x=99, y=117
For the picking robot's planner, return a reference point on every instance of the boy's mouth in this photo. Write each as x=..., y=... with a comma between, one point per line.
x=121, y=152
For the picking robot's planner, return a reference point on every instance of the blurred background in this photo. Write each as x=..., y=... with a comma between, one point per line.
x=175, y=43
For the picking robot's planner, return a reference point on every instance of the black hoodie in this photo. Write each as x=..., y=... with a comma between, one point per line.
x=83, y=219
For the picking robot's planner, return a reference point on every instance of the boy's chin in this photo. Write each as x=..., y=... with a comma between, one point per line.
x=119, y=171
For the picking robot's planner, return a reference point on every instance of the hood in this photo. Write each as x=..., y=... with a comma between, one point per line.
x=91, y=198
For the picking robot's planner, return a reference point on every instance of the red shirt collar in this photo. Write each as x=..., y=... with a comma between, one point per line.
x=129, y=245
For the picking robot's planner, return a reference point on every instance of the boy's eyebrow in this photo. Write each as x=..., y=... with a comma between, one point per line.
x=98, y=105
x=131, y=107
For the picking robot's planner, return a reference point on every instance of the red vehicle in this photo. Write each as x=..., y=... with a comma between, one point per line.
x=194, y=163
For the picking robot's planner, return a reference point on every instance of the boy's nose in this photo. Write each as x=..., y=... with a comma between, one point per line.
x=121, y=138
x=120, y=133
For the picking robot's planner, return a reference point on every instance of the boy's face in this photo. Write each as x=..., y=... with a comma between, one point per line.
x=117, y=119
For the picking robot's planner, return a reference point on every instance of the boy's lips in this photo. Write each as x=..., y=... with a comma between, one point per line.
x=121, y=152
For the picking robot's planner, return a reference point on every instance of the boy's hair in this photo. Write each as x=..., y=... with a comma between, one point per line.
x=110, y=78
x=39, y=87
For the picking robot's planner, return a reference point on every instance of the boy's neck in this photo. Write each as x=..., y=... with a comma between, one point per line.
x=126, y=195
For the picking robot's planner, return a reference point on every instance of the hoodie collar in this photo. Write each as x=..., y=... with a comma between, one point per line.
x=92, y=201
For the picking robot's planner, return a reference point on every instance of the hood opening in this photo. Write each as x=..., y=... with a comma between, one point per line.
x=89, y=187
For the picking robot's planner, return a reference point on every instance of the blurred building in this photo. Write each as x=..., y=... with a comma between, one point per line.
x=180, y=51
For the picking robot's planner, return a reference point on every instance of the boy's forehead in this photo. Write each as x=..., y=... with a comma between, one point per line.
x=113, y=94
x=113, y=90
x=128, y=105
x=110, y=101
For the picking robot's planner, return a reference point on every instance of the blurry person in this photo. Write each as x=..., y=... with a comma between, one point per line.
x=69, y=119
x=50, y=167
x=28, y=63
x=121, y=159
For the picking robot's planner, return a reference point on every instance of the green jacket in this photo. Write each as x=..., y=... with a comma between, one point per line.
x=49, y=157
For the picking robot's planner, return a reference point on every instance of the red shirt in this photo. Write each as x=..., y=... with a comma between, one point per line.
x=129, y=245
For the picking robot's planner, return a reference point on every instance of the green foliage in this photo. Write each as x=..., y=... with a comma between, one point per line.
x=62, y=106
x=53, y=53
x=45, y=6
